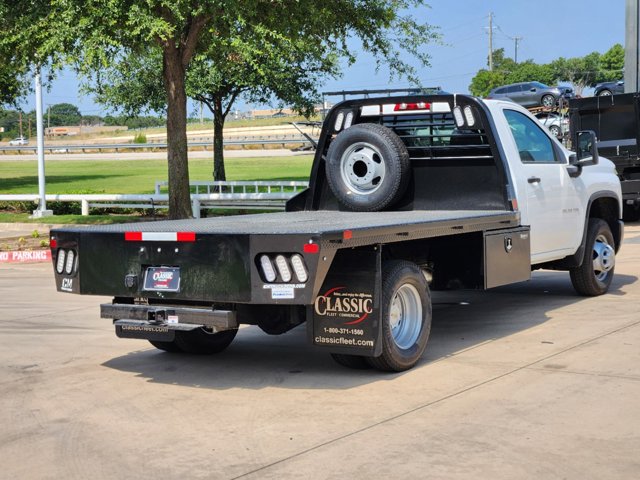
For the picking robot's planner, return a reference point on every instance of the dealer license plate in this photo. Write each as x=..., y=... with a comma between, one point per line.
x=162, y=279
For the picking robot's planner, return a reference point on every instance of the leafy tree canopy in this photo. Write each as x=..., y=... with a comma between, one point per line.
x=97, y=35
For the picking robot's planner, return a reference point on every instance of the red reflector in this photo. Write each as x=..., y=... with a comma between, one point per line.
x=186, y=236
x=53, y=243
x=133, y=236
x=347, y=234
x=411, y=106
x=311, y=248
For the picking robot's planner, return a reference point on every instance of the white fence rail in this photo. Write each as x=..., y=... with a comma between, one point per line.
x=117, y=147
x=229, y=195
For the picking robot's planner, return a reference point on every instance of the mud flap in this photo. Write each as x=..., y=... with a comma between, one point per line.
x=346, y=315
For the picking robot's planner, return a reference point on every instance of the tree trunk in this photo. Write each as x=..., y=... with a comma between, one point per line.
x=174, y=79
x=218, y=141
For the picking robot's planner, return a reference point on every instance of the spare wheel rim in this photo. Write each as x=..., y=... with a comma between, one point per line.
x=363, y=168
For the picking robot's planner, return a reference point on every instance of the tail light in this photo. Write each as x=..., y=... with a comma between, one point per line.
x=278, y=268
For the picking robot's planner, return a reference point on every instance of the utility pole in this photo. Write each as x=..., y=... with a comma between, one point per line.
x=516, y=39
x=20, y=122
x=490, y=41
x=42, y=204
x=632, y=47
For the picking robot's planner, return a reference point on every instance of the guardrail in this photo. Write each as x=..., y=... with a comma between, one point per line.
x=240, y=186
x=273, y=197
x=141, y=146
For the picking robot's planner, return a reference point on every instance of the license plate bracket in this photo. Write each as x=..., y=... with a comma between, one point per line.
x=162, y=279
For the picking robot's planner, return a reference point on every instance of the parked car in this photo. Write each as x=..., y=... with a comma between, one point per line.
x=605, y=89
x=557, y=124
x=19, y=141
x=532, y=94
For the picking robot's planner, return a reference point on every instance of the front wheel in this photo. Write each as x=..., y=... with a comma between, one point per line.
x=604, y=93
x=594, y=276
x=555, y=131
x=406, y=317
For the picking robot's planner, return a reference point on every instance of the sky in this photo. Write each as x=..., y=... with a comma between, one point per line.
x=549, y=30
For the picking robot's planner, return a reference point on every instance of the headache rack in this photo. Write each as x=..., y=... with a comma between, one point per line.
x=456, y=162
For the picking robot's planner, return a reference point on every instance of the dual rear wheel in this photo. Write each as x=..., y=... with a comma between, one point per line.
x=406, y=320
x=198, y=342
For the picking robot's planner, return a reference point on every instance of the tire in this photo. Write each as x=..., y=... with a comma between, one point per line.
x=555, y=131
x=367, y=167
x=548, y=101
x=201, y=342
x=631, y=213
x=594, y=276
x=355, y=362
x=170, y=347
x=406, y=317
x=605, y=92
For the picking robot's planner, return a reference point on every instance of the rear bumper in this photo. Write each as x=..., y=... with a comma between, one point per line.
x=167, y=317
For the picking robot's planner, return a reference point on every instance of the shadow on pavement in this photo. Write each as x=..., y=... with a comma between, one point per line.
x=462, y=319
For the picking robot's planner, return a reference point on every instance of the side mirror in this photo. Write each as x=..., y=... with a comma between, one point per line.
x=585, y=143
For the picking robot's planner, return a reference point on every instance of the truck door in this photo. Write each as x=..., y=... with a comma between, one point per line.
x=553, y=207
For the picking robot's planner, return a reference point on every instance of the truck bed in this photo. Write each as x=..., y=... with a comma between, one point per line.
x=364, y=227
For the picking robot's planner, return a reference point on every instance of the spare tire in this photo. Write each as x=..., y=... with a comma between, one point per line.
x=367, y=167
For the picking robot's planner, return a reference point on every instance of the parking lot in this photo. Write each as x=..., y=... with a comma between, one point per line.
x=524, y=381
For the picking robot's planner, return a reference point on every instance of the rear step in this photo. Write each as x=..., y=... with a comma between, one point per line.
x=174, y=318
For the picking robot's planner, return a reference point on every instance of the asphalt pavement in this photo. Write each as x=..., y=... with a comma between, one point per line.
x=520, y=382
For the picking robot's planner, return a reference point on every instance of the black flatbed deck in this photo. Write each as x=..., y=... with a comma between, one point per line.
x=325, y=225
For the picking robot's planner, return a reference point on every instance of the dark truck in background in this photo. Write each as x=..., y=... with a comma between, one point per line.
x=406, y=195
x=616, y=121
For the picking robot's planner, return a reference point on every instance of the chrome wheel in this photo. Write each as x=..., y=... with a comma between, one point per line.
x=604, y=258
x=405, y=316
x=604, y=93
x=362, y=168
x=548, y=101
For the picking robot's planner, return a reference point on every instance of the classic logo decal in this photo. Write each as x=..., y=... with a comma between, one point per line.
x=162, y=278
x=165, y=279
x=337, y=303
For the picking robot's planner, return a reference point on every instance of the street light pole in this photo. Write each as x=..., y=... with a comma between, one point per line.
x=42, y=205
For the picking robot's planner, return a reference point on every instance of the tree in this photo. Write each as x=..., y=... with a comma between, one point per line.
x=484, y=81
x=269, y=59
x=262, y=68
x=95, y=34
x=63, y=114
x=612, y=64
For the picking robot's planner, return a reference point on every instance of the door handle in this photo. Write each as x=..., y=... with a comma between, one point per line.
x=533, y=180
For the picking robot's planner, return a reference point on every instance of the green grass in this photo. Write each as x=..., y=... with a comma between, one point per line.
x=70, y=219
x=139, y=176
